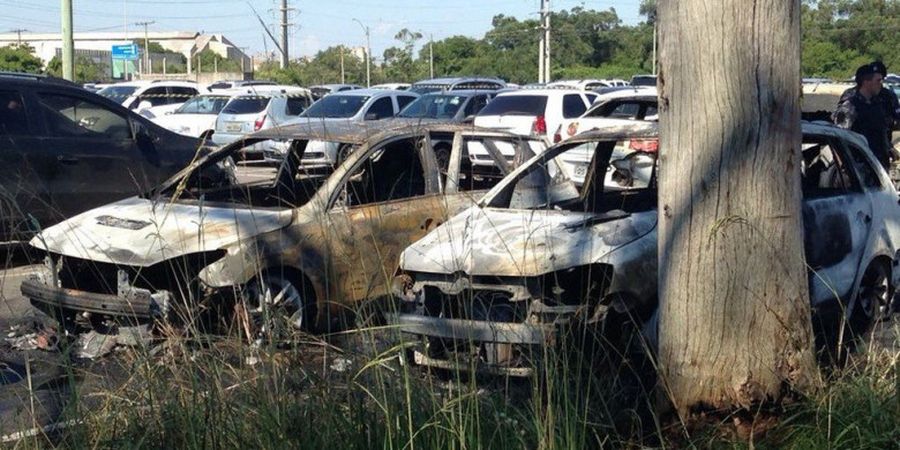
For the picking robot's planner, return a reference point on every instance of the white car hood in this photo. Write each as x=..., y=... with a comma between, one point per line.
x=497, y=242
x=137, y=231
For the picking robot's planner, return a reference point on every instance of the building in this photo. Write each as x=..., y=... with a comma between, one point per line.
x=99, y=44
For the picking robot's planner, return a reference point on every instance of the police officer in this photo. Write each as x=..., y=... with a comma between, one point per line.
x=865, y=110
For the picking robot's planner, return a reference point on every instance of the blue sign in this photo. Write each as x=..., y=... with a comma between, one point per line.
x=127, y=51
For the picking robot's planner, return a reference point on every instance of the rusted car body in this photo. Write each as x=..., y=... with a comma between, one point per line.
x=491, y=286
x=315, y=244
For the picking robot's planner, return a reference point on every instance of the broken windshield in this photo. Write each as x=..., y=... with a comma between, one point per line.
x=593, y=176
x=264, y=173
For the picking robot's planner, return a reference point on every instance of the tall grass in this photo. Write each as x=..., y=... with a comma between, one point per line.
x=224, y=393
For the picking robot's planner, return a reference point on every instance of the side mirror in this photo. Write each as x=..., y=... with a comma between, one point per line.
x=372, y=116
x=144, y=104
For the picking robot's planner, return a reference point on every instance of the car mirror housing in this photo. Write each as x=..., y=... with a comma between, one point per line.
x=144, y=105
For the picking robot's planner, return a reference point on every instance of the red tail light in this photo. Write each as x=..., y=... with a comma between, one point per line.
x=258, y=124
x=539, y=126
x=557, y=136
x=644, y=145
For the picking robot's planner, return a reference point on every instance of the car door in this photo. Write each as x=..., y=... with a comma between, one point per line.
x=837, y=216
x=23, y=167
x=391, y=199
x=96, y=159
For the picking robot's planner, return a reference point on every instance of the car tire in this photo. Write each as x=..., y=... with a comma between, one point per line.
x=873, y=298
x=273, y=307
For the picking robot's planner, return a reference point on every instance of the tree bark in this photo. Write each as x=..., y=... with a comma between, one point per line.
x=735, y=327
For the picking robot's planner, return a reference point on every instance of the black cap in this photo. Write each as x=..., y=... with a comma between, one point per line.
x=879, y=67
x=864, y=72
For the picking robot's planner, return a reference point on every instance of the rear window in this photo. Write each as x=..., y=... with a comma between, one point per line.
x=246, y=105
x=516, y=105
x=336, y=106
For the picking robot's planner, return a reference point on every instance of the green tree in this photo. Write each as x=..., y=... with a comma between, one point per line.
x=19, y=58
x=86, y=69
x=399, y=62
x=208, y=60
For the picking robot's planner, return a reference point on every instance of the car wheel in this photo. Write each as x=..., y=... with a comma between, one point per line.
x=343, y=153
x=873, y=300
x=273, y=309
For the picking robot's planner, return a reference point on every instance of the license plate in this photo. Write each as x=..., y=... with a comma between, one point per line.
x=233, y=127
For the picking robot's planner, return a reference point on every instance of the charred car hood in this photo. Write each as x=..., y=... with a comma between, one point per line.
x=498, y=242
x=138, y=231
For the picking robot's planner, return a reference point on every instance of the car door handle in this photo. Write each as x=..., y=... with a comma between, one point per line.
x=68, y=160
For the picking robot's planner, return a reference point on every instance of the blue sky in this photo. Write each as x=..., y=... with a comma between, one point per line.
x=317, y=24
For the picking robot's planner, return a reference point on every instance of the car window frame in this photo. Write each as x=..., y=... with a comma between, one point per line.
x=431, y=176
x=130, y=121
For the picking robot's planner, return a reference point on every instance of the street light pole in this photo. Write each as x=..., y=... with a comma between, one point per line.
x=368, y=54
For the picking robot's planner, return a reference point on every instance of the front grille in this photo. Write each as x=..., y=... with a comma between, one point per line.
x=479, y=304
x=177, y=275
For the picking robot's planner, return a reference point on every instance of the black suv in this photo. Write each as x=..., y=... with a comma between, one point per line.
x=64, y=150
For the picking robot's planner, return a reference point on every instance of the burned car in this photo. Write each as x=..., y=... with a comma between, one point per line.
x=283, y=243
x=541, y=253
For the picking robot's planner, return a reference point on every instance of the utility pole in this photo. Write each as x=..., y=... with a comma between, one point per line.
x=285, y=60
x=147, y=66
x=431, y=54
x=68, y=44
x=544, y=47
x=368, y=54
x=125, y=21
x=19, y=32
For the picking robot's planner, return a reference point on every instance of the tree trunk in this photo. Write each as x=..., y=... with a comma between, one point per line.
x=735, y=326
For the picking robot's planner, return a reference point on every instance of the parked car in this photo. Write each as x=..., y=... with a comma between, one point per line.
x=197, y=116
x=322, y=90
x=537, y=253
x=584, y=85
x=64, y=150
x=610, y=111
x=452, y=106
x=260, y=108
x=643, y=80
x=293, y=250
x=628, y=104
x=353, y=106
x=451, y=84
x=143, y=95
x=392, y=86
x=534, y=112
x=223, y=85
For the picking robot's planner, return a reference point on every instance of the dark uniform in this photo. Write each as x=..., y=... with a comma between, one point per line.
x=873, y=118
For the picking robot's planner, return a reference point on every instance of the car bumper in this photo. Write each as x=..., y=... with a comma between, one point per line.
x=136, y=304
x=474, y=332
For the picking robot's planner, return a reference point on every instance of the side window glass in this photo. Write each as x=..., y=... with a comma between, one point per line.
x=403, y=100
x=382, y=109
x=156, y=96
x=475, y=104
x=13, y=121
x=296, y=105
x=75, y=117
x=824, y=172
x=393, y=172
x=868, y=176
x=573, y=106
x=178, y=94
x=625, y=110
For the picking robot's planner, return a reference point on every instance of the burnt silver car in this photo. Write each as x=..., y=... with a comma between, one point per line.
x=540, y=253
x=289, y=248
